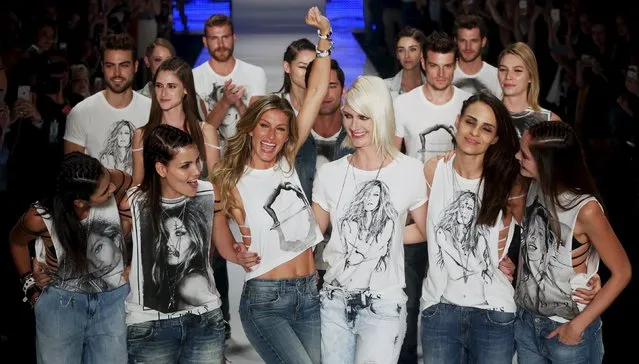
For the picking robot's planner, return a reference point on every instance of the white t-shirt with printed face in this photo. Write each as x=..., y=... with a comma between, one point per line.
x=485, y=79
x=427, y=129
x=368, y=212
x=210, y=87
x=107, y=132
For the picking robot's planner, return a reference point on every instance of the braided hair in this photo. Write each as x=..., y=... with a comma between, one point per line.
x=78, y=179
x=561, y=167
x=160, y=145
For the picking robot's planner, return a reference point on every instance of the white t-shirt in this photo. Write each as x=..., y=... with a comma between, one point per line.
x=170, y=273
x=368, y=212
x=107, y=132
x=427, y=129
x=485, y=79
x=210, y=86
x=464, y=268
x=280, y=219
x=106, y=252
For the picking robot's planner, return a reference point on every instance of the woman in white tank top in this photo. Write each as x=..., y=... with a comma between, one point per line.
x=565, y=233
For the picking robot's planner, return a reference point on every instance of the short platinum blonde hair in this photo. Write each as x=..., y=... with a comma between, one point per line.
x=370, y=97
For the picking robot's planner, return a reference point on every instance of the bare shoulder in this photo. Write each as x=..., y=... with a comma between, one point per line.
x=429, y=169
x=591, y=213
x=554, y=117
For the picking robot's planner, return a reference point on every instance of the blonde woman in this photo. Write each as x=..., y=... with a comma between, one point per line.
x=519, y=79
x=259, y=189
x=366, y=198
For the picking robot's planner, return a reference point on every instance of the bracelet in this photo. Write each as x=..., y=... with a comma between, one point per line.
x=323, y=53
x=326, y=36
x=29, y=287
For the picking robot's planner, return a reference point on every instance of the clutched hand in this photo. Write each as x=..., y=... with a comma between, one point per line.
x=585, y=295
x=507, y=267
x=245, y=258
x=42, y=273
x=315, y=19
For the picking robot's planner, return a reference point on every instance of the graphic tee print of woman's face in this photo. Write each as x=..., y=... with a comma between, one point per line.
x=124, y=137
x=372, y=198
x=178, y=242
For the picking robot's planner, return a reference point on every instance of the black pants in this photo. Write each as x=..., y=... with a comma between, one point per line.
x=415, y=266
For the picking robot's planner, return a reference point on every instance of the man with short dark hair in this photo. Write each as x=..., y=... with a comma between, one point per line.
x=472, y=74
x=224, y=82
x=102, y=125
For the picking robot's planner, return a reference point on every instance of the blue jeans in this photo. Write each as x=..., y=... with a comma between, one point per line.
x=456, y=334
x=415, y=266
x=533, y=347
x=281, y=319
x=360, y=328
x=74, y=327
x=188, y=339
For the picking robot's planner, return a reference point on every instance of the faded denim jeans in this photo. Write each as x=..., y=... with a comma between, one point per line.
x=73, y=327
x=361, y=328
x=456, y=334
x=533, y=347
x=187, y=339
x=281, y=318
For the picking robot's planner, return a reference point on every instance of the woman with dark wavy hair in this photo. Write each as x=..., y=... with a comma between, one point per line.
x=566, y=234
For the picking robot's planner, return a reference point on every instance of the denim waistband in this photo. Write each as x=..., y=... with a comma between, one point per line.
x=285, y=284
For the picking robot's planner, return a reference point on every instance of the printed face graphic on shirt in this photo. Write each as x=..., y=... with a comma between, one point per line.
x=175, y=266
x=439, y=134
x=544, y=278
x=292, y=217
x=116, y=152
x=463, y=245
x=227, y=128
x=366, y=230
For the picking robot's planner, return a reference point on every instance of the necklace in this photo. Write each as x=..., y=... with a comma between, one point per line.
x=348, y=166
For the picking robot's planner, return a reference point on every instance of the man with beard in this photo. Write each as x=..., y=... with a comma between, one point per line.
x=425, y=118
x=323, y=145
x=102, y=125
x=225, y=83
x=472, y=74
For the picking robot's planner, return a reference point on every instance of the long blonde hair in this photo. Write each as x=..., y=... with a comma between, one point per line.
x=369, y=96
x=523, y=51
x=237, y=156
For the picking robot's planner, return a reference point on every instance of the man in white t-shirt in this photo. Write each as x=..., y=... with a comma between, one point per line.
x=472, y=74
x=102, y=125
x=224, y=82
x=425, y=116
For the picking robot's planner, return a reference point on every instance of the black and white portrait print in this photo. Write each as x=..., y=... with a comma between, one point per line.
x=527, y=118
x=462, y=244
x=472, y=85
x=104, y=259
x=117, y=152
x=429, y=149
x=292, y=217
x=175, y=267
x=227, y=128
x=546, y=264
x=366, y=229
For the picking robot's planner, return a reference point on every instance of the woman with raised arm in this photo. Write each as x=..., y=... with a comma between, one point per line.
x=174, y=102
x=296, y=58
x=366, y=198
x=519, y=79
x=566, y=233
x=80, y=311
x=174, y=310
x=259, y=189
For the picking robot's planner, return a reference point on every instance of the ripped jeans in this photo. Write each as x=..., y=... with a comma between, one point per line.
x=73, y=327
x=358, y=327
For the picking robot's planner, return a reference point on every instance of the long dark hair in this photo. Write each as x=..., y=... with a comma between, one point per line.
x=561, y=167
x=160, y=145
x=183, y=72
x=289, y=56
x=78, y=179
x=501, y=169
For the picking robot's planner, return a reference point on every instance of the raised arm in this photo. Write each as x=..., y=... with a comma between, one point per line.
x=319, y=77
